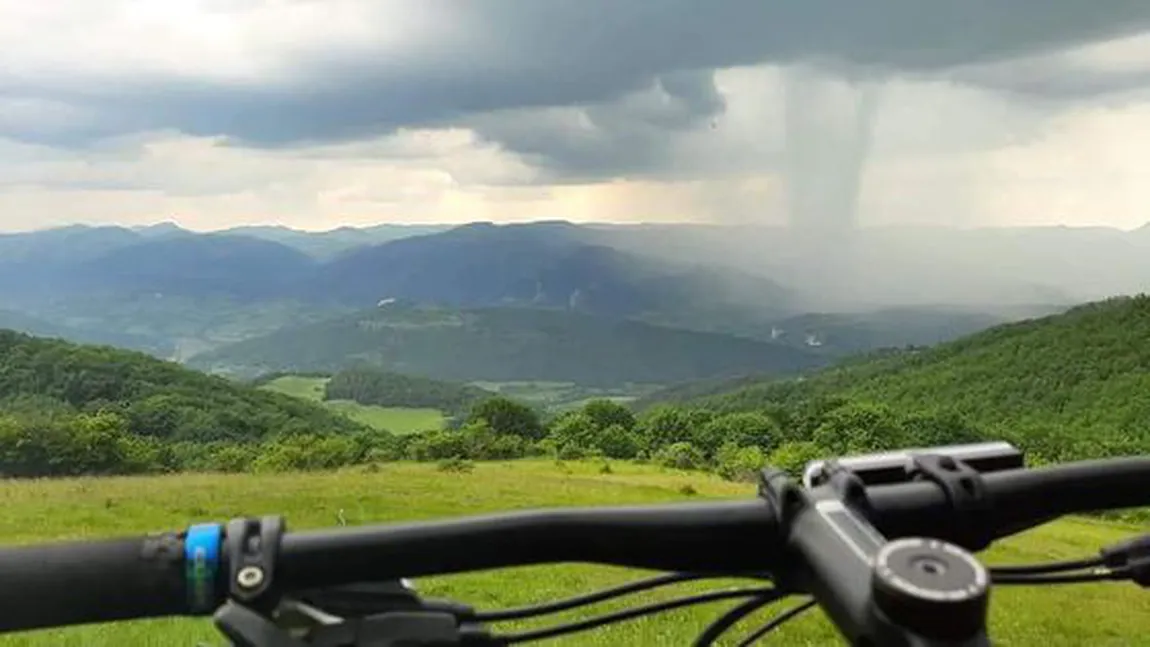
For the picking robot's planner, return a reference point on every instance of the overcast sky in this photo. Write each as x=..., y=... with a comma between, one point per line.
x=317, y=114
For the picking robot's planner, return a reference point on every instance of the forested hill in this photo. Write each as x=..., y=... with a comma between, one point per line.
x=21, y=322
x=44, y=381
x=1081, y=378
x=507, y=344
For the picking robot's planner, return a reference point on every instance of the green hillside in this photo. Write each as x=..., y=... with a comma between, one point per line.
x=841, y=334
x=67, y=408
x=504, y=345
x=1066, y=385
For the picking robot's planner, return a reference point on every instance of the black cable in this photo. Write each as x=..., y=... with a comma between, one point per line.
x=584, y=600
x=775, y=623
x=1049, y=567
x=630, y=614
x=1064, y=578
x=732, y=617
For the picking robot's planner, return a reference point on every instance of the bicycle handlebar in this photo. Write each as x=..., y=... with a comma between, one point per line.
x=100, y=581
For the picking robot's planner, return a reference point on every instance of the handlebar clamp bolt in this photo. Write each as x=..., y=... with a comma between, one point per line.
x=250, y=577
x=931, y=586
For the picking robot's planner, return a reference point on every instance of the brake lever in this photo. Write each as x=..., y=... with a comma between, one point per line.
x=245, y=627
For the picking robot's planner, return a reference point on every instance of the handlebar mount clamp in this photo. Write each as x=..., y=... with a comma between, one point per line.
x=965, y=491
x=253, y=546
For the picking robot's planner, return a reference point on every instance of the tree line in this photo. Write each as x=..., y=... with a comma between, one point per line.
x=43, y=437
x=371, y=386
x=1065, y=388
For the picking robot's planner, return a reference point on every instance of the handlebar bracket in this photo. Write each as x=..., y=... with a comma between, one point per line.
x=966, y=493
x=253, y=545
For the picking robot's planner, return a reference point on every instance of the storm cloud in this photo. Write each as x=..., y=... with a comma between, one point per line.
x=368, y=68
x=676, y=109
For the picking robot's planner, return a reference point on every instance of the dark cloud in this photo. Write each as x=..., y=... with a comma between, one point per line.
x=629, y=136
x=1053, y=81
x=520, y=57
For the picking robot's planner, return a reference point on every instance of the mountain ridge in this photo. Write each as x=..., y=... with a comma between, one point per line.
x=505, y=344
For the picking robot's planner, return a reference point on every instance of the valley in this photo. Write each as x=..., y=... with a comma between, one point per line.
x=422, y=377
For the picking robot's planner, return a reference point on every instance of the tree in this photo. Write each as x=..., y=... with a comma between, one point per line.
x=665, y=425
x=605, y=413
x=860, y=427
x=683, y=456
x=736, y=463
x=575, y=429
x=506, y=416
x=617, y=441
x=794, y=456
x=743, y=429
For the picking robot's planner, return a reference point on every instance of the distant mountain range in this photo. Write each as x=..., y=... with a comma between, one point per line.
x=883, y=287
x=549, y=265
x=325, y=245
x=506, y=344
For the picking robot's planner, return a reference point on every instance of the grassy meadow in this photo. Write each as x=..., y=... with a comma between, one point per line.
x=1099, y=614
x=399, y=420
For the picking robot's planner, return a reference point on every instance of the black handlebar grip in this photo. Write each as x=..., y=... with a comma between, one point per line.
x=97, y=581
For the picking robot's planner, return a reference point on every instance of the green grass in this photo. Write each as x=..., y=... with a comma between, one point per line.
x=1114, y=614
x=399, y=420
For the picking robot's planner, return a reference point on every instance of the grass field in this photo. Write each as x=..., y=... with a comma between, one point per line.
x=400, y=420
x=1100, y=614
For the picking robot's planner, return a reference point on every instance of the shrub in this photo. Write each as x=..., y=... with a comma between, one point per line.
x=617, y=441
x=735, y=463
x=456, y=464
x=683, y=456
x=794, y=456
x=571, y=452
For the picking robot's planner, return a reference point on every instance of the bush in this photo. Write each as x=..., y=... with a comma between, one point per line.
x=617, y=441
x=607, y=413
x=683, y=456
x=574, y=428
x=794, y=456
x=545, y=447
x=571, y=452
x=742, y=429
x=735, y=463
x=456, y=465
x=857, y=428
x=508, y=417
x=665, y=425
x=437, y=445
x=233, y=458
